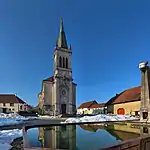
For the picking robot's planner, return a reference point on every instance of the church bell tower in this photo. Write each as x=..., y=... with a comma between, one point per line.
x=62, y=55
x=63, y=87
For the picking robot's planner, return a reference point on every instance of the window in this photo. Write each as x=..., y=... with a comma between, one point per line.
x=67, y=63
x=21, y=107
x=145, y=115
x=13, y=109
x=11, y=104
x=60, y=61
x=63, y=62
x=136, y=113
x=9, y=109
x=145, y=130
x=4, y=104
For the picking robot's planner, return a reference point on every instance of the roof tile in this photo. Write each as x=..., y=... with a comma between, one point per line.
x=87, y=104
x=132, y=94
x=10, y=98
x=97, y=105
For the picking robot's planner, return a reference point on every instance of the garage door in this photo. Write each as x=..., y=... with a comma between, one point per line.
x=121, y=111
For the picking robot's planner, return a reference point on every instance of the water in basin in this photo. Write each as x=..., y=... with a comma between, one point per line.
x=80, y=137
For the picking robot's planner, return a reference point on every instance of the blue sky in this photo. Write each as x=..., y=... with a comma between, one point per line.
x=109, y=38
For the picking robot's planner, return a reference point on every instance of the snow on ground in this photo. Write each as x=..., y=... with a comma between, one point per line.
x=7, y=137
x=46, y=117
x=12, y=118
x=100, y=118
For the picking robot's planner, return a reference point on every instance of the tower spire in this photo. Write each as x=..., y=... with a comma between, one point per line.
x=61, y=25
x=61, y=41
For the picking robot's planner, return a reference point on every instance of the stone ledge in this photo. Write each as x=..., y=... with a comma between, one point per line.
x=37, y=148
x=140, y=143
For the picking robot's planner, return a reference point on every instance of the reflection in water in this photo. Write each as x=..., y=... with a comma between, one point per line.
x=58, y=137
x=83, y=137
x=120, y=132
x=145, y=130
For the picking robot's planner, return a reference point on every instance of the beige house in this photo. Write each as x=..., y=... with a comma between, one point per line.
x=127, y=102
x=58, y=93
x=91, y=107
x=12, y=103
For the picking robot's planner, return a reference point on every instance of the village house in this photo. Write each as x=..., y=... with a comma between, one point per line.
x=91, y=107
x=127, y=102
x=12, y=103
x=109, y=104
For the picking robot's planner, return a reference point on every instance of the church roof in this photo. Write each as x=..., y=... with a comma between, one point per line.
x=51, y=79
x=61, y=41
x=129, y=95
x=74, y=83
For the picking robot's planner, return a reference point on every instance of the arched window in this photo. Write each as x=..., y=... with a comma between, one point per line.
x=60, y=61
x=67, y=63
x=63, y=62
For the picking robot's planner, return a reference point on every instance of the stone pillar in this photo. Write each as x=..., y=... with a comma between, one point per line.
x=145, y=99
x=70, y=100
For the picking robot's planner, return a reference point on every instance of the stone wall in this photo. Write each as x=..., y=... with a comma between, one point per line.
x=141, y=143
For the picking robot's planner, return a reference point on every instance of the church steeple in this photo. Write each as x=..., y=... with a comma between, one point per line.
x=61, y=41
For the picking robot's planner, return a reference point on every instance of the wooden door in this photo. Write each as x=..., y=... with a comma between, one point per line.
x=121, y=111
x=63, y=108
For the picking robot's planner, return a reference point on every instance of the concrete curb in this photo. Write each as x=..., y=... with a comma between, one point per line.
x=56, y=122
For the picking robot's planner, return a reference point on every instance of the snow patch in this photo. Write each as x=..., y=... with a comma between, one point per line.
x=7, y=137
x=46, y=117
x=100, y=118
x=12, y=119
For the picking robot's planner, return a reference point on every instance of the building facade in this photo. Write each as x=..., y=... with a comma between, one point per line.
x=58, y=137
x=91, y=107
x=58, y=94
x=11, y=103
x=126, y=103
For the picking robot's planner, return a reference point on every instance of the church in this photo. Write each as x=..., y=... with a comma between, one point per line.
x=58, y=93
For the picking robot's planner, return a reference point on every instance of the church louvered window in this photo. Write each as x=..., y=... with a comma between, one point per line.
x=63, y=62
x=67, y=63
x=60, y=61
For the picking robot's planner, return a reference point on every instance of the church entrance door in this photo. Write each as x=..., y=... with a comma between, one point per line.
x=63, y=108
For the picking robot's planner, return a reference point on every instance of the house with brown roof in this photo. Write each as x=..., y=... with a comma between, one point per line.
x=109, y=104
x=91, y=107
x=127, y=102
x=12, y=103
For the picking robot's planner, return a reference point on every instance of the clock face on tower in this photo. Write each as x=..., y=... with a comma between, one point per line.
x=63, y=74
x=64, y=92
